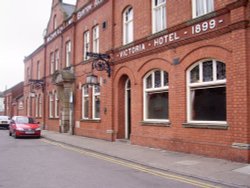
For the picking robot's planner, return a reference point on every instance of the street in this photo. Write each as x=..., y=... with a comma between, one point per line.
x=40, y=163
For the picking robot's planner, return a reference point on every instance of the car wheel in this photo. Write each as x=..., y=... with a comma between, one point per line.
x=14, y=134
x=10, y=134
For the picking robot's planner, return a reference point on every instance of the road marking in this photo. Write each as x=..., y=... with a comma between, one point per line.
x=132, y=165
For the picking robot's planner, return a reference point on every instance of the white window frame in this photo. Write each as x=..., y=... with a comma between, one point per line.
x=153, y=89
x=96, y=39
x=38, y=70
x=205, y=8
x=37, y=103
x=51, y=102
x=213, y=84
x=57, y=57
x=86, y=45
x=56, y=105
x=94, y=95
x=85, y=95
x=68, y=53
x=128, y=25
x=52, y=62
x=40, y=106
x=159, y=22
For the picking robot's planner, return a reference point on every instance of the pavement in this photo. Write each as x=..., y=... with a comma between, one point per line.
x=227, y=173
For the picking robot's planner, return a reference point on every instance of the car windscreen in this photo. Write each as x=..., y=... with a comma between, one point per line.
x=24, y=120
x=4, y=118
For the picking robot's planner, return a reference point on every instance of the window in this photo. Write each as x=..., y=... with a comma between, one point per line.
x=85, y=102
x=156, y=96
x=56, y=105
x=52, y=62
x=96, y=102
x=206, y=86
x=57, y=60
x=54, y=22
x=86, y=45
x=159, y=15
x=37, y=106
x=68, y=53
x=128, y=25
x=28, y=74
x=201, y=7
x=27, y=106
x=51, y=101
x=38, y=70
x=96, y=39
x=40, y=105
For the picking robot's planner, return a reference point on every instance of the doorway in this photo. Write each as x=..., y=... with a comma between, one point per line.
x=127, y=109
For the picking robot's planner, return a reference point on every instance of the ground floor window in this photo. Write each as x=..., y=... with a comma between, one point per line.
x=206, y=86
x=156, y=96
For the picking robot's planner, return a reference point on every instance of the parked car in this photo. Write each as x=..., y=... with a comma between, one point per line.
x=4, y=121
x=24, y=126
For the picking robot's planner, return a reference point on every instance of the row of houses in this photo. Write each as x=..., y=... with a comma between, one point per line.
x=163, y=74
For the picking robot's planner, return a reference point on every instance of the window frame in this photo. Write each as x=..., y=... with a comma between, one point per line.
x=56, y=105
x=161, y=89
x=84, y=96
x=52, y=62
x=51, y=105
x=206, y=11
x=68, y=51
x=96, y=39
x=163, y=22
x=86, y=45
x=57, y=60
x=128, y=30
x=202, y=84
x=94, y=95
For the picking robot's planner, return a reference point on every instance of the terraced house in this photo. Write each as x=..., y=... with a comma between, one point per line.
x=158, y=73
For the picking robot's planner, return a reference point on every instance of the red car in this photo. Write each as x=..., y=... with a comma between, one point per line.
x=24, y=126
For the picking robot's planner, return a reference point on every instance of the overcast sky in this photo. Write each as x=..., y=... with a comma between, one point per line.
x=22, y=24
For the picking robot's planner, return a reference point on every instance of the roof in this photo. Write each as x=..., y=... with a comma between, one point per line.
x=68, y=9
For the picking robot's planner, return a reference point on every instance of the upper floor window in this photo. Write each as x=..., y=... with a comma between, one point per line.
x=57, y=60
x=159, y=15
x=86, y=45
x=52, y=62
x=128, y=33
x=28, y=74
x=156, y=98
x=54, y=22
x=38, y=74
x=201, y=7
x=68, y=53
x=206, y=87
x=96, y=39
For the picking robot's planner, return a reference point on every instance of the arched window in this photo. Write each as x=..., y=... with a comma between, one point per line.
x=156, y=98
x=128, y=35
x=206, y=87
x=54, y=22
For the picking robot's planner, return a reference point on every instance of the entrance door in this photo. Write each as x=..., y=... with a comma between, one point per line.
x=127, y=109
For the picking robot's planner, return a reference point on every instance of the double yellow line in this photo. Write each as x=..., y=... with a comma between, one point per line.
x=133, y=166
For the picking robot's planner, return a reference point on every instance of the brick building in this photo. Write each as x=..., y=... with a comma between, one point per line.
x=13, y=100
x=171, y=75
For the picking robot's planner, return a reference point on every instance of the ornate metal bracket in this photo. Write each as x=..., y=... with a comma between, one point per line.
x=101, y=62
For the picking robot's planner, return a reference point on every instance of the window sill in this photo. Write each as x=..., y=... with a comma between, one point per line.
x=91, y=120
x=54, y=118
x=206, y=126
x=155, y=123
